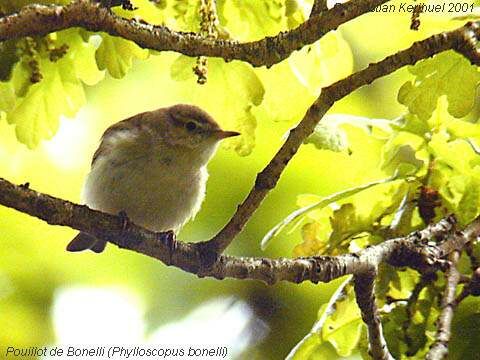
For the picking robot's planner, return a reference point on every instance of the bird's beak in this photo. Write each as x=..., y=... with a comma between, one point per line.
x=221, y=134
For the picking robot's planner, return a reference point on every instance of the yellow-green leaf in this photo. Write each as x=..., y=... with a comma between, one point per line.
x=116, y=55
x=448, y=73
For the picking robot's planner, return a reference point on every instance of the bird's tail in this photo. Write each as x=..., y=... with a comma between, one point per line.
x=83, y=241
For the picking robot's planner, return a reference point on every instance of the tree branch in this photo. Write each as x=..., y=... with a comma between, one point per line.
x=37, y=20
x=439, y=349
x=415, y=250
x=318, y=7
x=460, y=40
x=364, y=285
x=470, y=288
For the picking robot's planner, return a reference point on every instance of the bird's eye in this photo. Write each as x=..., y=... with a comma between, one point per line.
x=190, y=125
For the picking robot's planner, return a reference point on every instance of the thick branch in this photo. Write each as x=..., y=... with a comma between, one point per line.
x=459, y=39
x=37, y=20
x=364, y=285
x=318, y=7
x=413, y=250
x=439, y=349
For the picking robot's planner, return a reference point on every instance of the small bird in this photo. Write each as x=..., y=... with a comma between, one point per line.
x=152, y=168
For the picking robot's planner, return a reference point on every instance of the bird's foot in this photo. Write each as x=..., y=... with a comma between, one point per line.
x=168, y=238
x=125, y=220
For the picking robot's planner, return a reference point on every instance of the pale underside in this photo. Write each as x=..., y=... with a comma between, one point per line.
x=148, y=189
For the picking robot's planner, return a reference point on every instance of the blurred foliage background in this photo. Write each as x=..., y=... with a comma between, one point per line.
x=49, y=296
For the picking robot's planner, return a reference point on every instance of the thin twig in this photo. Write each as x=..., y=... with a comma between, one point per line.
x=364, y=284
x=414, y=250
x=38, y=20
x=269, y=176
x=471, y=288
x=439, y=349
x=474, y=262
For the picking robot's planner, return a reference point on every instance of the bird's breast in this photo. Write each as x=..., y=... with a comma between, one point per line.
x=152, y=190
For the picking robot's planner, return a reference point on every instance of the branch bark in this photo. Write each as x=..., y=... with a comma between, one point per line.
x=318, y=7
x=439, y=349
x=37, y=20
x=415, y=250
x=461, y=40
x=364, y=285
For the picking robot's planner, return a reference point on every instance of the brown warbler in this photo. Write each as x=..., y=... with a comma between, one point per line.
x=152, y=167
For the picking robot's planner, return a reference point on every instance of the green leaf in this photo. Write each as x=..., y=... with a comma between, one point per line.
x=318, y=204
x=360, y=217
x=80, y=56
x=401, y=154
x=37, y=115
x=339, y=323
x=239, y=79
x=37, y=107
x=149, y=11
x=402, y=161
x=7, y=96
x=457, y=154
x=322, y=63
x=380, y=128
x=469, y=205
x=463, y=129
x=186, y=12
x=182, y=68
x=116, y=55
x=328, y=137
x=294, y=12
x=341, y=328
x=412, y=124
x=345, y=223
x=411, y=342
x=465, y=341
x=448, y=73
x=252, y=19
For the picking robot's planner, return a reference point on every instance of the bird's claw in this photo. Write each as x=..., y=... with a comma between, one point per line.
x=125, y=220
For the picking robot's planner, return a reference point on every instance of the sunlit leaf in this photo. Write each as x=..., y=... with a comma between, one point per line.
x=182, y=68
x=316, y=205
x=186, y=12
x=381, y=128
x=116, y=55
x=448, y=73
x=401, y=154
x=339, y=323
x=327, y=137
x=38, y=106
x=403, y=161
x=469, y=205
x=7, y=96
x=360, y=216
x=251, y=19
x=320, y=64
x=457, y=153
